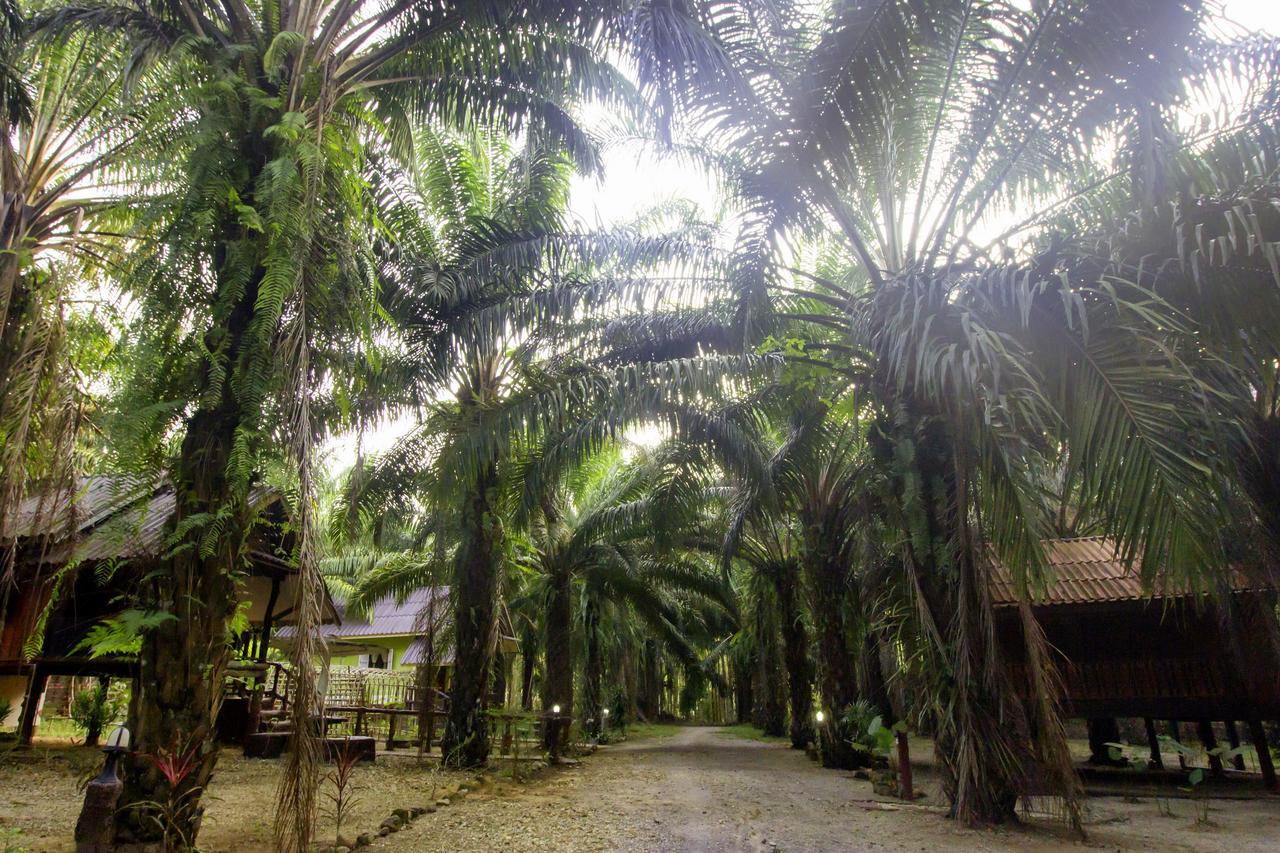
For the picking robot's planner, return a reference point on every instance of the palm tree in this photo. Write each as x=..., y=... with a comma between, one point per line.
x=498, y=303
x=263, y=253
x=910, y=133
x=70, y=153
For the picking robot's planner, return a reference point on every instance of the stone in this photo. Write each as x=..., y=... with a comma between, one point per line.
x=393, y=823
x=364, y=839
x=342, y=848
x=442, y=802
x=405, y=815
x=417, y=811
x=384, y=831
x=861, y=774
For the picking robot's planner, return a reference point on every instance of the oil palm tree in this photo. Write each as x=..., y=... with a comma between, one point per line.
x=913, y=134
x=498, y=303
x=71, y=152
x=263, y=255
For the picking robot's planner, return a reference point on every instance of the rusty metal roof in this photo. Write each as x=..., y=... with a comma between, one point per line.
x=1086, y=570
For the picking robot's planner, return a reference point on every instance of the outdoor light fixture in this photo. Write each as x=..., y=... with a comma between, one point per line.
x=555, y=709
x=819, y=716
x=117, y=745
x=118, y=740
x=605, y=711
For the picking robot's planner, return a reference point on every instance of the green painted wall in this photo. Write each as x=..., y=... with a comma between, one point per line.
x=397, y=645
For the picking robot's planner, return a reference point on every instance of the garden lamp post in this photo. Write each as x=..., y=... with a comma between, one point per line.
x=96, y=825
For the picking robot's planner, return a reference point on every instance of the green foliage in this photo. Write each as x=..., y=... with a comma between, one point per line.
x=96, y=708
x=122, y=634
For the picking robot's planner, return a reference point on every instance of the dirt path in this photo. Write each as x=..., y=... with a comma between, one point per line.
x=702, y=790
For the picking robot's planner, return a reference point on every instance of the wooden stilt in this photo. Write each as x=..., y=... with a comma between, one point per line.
x=1233, y=737
x=1268, y=768
x=1153, y=742
x=1204, y=729
x=31, y=703
x=1173, y=733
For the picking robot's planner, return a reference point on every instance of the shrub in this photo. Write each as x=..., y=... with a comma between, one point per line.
x=93, y=710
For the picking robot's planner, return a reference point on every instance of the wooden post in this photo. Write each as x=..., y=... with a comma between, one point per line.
x=431, y=726
x=1205, y=729
x=360, y=720
x=35, y=690
x=1157, y=760
x=905, y=790
x=391, y=729
x=1233, y=737
x=1173, y=733
x=1259, y=738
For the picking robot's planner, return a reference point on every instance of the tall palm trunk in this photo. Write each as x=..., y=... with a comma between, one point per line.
x=837, y=674
x=593, y=694
x=795, y=647
x=771, y=705
x=649, y=702
x=179, y=687
x=557, y=688
x=476, y=570
x=528, y=664
x=982, y=738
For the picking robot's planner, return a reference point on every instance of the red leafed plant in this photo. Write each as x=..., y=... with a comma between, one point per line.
x=175, y=762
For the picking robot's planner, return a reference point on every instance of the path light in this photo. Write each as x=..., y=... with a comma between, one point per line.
x=96, y=826
x=819, y=716
x=555, y=709
x=605, y=711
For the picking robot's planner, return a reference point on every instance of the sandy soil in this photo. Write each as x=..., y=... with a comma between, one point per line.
x=702, y=790
x=699, y=789
x=40, y=798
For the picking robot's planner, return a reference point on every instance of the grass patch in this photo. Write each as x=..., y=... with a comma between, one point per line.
x=650, y=730
x=749, y=732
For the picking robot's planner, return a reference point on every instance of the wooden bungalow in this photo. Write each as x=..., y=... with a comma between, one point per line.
x=1163, y=656
x=79, y=555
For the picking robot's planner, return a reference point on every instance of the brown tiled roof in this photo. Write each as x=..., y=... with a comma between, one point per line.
x=1087, y=570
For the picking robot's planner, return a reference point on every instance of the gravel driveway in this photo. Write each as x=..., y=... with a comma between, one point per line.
x=702, y=790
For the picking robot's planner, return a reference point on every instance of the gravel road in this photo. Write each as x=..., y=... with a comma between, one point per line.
x=703, y=790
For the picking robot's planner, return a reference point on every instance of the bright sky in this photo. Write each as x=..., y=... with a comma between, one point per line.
x=636, y=180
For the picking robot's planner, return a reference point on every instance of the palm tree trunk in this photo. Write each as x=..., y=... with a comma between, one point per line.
x=528, y=663
x=179, y=687
x=771, y=703
x=649, y=702
x=795, y=643
x=465, y=742
x=982, y=741
x=837, y=674
x=557, y=688
x=593, y=693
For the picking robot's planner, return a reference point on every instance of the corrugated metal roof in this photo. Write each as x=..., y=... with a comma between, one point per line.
x=104, y=517
x=387, y=618
x=1087, y=570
